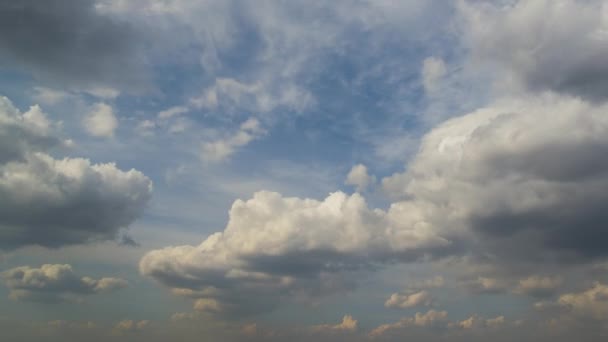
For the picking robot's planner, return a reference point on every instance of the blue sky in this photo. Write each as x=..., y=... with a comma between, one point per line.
x=329, y=170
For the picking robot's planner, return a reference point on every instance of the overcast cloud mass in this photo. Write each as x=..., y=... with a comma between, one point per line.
x=305, y=170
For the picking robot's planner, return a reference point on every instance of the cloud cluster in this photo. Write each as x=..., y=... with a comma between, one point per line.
x=525, y=177
x=55, y=202
x=278, y=247
x=53, y=283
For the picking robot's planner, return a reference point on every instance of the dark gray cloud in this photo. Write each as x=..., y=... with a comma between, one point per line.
x=525, y=178
x=547, y=45
x=70, y=43
x=56, y=202
x=54, y=283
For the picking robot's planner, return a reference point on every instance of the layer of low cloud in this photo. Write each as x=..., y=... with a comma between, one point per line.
x=54, y=283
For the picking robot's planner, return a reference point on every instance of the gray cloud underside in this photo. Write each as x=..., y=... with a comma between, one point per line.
x=69, y=42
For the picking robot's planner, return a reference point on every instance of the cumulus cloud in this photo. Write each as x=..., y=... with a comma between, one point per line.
x=509, y=176
x=554, y=45
x=275, y=248
x=100, y=121
x=52, y=283
x=359, y=177
x=55, y=202
x=402, y=301
x=348, y=324
x=591, y=303
x=431, y=318
x=221, y=149
x=62, y=42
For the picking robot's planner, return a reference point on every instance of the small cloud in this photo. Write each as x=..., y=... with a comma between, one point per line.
x=402, y=301
x=359, y=178
x=348, y=324
x=101, y=121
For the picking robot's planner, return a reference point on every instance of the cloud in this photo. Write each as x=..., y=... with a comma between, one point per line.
x=56, y=202
x=429, y=319
x=61, y=42
x=508, y=176
x=433, y=69
x=359, y=177
x=485, y=285
x=402, y=301
x=172, y=112
x=538, y=286
x=476, y=322
x=588, y=304
x=219, y=150
x=276, y=248
x=101, y=121
x=556, y=45
x=129, y=326
x=53, y=283
x=257, y=97
x=348, y=324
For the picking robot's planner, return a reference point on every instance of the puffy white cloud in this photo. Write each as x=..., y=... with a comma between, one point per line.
x=359, y=177
x=278, y=247
x=55, y=202
x=348, y=324
x=100, y=121
x=223, y=148
x=51, y=283
x=398, y=300
x=544, y=44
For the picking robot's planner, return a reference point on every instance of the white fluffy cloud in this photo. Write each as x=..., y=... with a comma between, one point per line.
x=277, y=247
x=51, y=283
x=101, y=121
x=359, y=177
x=55, y=202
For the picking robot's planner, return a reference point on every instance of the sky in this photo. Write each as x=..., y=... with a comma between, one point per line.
x=353, y=170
